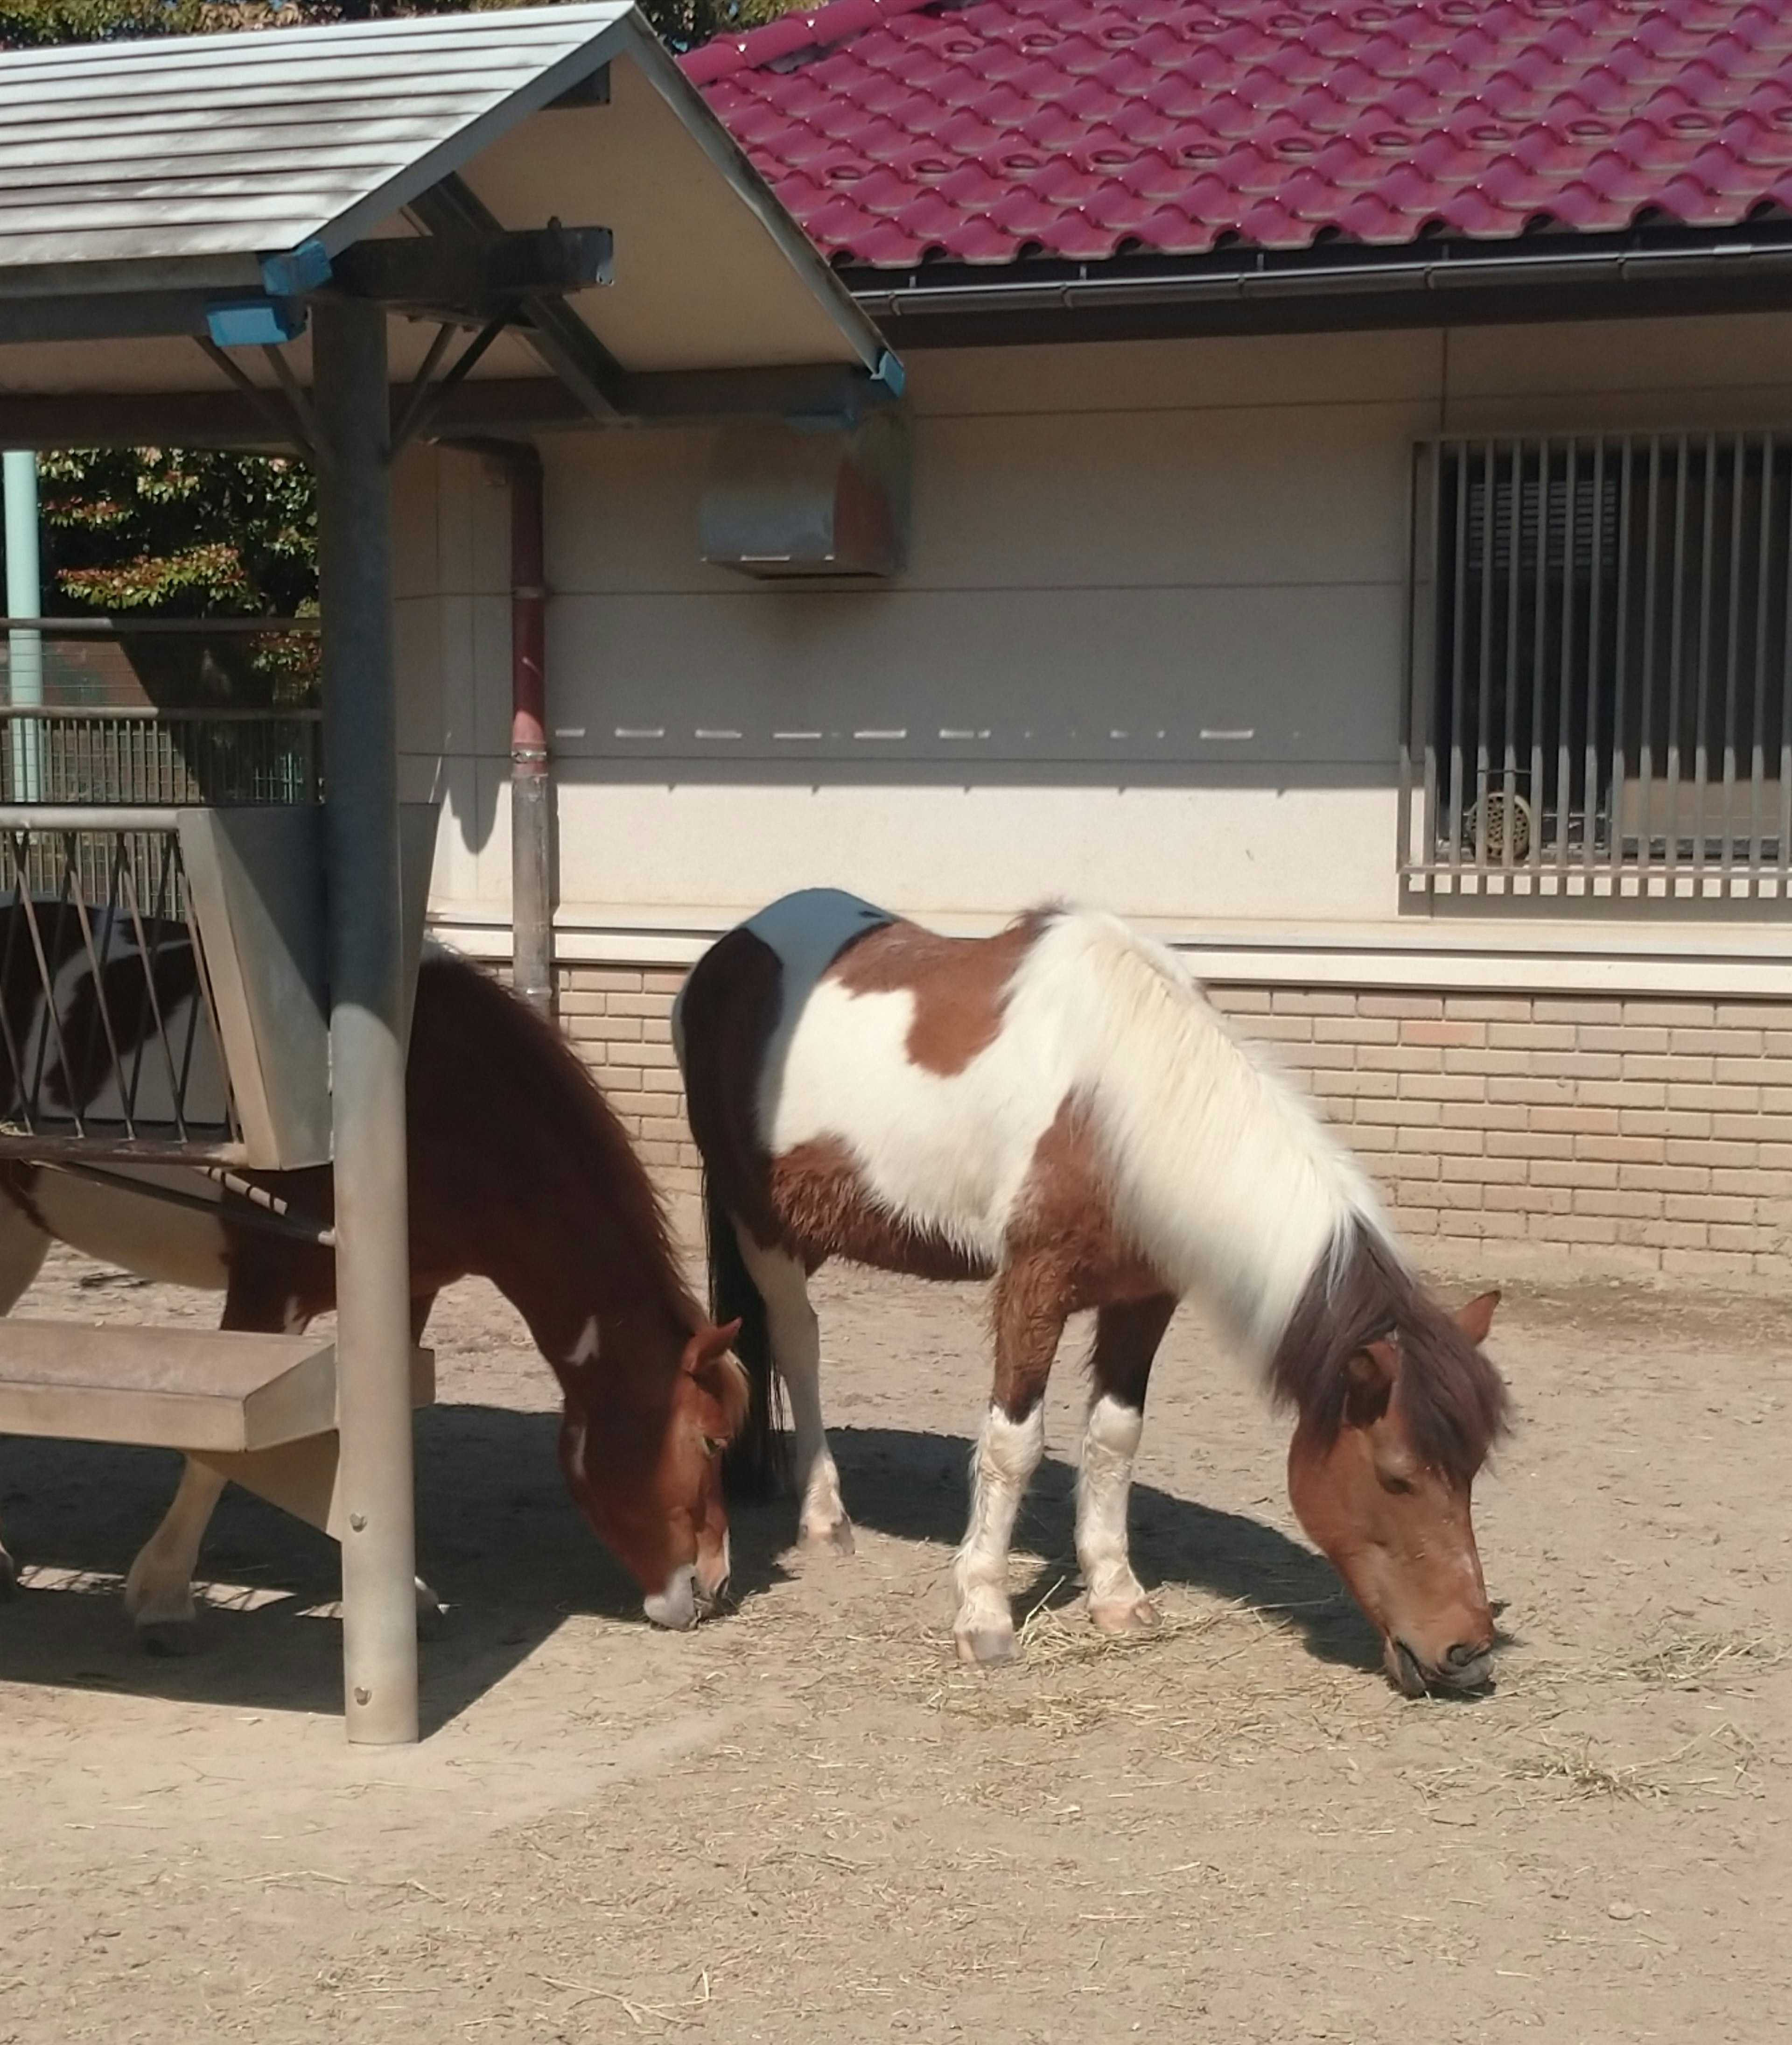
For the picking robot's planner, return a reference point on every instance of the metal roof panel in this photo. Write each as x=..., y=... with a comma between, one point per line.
x=97, y=138
x=142, y=179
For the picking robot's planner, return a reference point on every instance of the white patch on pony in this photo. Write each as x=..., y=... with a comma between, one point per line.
x=585, y=1350
x=175, y=1245
x=1006, y=1455
x=1110, y=1443
x=676, y=1606
x=808, y=931
x=1223, y=1176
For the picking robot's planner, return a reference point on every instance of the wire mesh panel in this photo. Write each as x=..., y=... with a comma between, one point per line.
x=221, y=712
x=109, y=1033
x=64, y=754
x=1601, y=685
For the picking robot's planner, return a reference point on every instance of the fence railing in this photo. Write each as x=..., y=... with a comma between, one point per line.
x=117, y=738
x=109, y=1039
x=1600, y=671
x=212, y=710
x=125, y=753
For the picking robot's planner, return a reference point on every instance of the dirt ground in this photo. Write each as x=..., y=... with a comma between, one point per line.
x=805, y=1823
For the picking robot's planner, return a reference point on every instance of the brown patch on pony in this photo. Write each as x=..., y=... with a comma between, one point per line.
x=1453, y=1401
x=1065, y=1214
x=728, y=1010
x=819, y=1196
x=481, y=1060
x=959, y=984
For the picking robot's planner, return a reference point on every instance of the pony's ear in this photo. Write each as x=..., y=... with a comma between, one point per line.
x=707, y=1362
x=1369, y=1378
x=706, y=1345
x=1477, y=1317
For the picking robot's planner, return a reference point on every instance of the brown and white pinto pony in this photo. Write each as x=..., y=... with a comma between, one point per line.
x=1060, y=1107
x=519, y=1174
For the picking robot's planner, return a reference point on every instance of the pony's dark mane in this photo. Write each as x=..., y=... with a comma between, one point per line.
x=1453, y=1402
x=542, y=1063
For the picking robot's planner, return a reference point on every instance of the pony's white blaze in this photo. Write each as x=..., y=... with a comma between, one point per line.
x=585, y=1350
x=1222, y=1175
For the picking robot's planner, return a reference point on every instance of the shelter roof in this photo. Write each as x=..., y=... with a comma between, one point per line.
x=144, y=185
x=903, y=131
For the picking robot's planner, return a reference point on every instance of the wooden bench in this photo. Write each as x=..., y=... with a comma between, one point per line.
x=261, y=1410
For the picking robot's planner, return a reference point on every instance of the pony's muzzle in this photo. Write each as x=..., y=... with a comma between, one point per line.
x=675, y=1607
x=1464, y=1666
x=713, y=1574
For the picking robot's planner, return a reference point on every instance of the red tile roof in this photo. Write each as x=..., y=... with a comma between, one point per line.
x=898, y=130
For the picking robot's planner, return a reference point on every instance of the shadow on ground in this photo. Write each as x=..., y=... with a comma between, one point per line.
x=915, y=1488
x=502, y=1546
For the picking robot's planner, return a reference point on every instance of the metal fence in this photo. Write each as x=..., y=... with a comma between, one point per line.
x=218, y=711
x=110, y=1043
x=1601, y=671
x=62, y=754
x=108, y=1027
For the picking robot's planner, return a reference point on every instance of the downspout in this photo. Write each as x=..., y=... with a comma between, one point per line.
x=25, y=598
x=531, y=783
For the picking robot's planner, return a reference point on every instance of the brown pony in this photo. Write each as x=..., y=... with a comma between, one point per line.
x=519, y=1174
x=1061, y=1109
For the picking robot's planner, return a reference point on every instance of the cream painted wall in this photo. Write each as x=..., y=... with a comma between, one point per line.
x=1125, y=558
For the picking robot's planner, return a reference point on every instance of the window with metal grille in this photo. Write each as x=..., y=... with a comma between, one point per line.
x=1601, y=671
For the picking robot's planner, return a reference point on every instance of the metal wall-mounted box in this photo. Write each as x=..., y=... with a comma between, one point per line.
x=787, y=500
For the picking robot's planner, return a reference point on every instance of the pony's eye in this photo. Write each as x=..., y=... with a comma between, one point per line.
x=712, y=1447
x=1401, y=1486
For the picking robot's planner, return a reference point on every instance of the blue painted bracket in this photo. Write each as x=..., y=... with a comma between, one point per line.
x=255, y=322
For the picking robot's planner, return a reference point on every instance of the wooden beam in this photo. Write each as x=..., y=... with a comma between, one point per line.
x=491, y=406
x=473, y=274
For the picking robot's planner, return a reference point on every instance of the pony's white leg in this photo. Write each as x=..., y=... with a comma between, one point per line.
x=1126, y=1340
x=796, y=1352
x=158, y=1590
x=1029, y=1304
x=23, y=1246
x=1007, y=1454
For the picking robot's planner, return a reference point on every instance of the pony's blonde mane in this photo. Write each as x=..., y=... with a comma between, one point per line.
x=1224, y=1176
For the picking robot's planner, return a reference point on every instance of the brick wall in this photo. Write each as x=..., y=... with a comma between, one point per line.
x=621, y=1018
x=1640, y=1135
x=1507, y=1133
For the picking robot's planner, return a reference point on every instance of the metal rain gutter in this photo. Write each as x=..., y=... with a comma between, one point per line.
x=1725, y=261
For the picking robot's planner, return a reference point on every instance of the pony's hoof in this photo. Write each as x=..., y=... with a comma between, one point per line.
x=815, y=1540
x=986, y=1647
x=1127, y=1621
x=170, y=1640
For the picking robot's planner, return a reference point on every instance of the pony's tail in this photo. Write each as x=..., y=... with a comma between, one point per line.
x=758, y=1459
